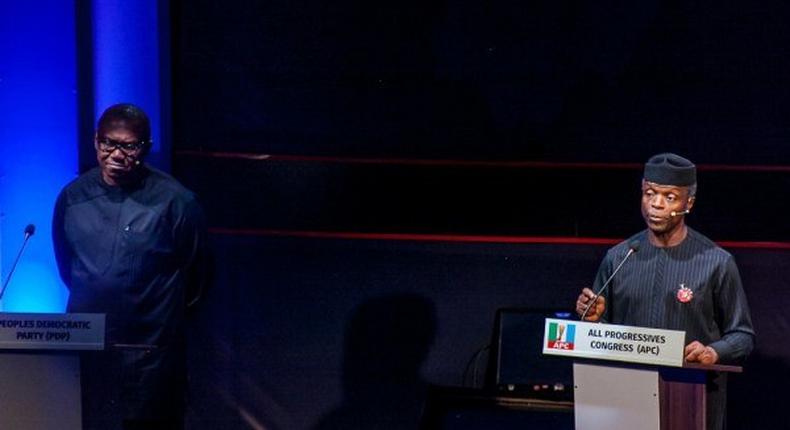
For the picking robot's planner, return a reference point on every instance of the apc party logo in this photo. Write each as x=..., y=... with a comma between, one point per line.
x=561, y=335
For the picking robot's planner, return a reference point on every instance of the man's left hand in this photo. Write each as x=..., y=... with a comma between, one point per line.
x=699, y=353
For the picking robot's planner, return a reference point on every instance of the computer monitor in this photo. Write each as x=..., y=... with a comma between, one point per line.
x=516, y=362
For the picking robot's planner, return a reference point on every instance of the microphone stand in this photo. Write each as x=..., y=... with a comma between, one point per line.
x=632, y=249
x=13, y=267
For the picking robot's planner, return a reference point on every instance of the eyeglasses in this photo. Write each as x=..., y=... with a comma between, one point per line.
x=109, y=145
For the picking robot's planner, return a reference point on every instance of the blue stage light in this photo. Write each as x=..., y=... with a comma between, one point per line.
x=38, y=148
x=130, y=63
x=39, y=118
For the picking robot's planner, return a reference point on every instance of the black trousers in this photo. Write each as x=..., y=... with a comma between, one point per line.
x=716, y=393
x=133, y=389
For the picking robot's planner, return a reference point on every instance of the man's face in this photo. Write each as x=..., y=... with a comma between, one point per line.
x=119, y=153
x=659, y=201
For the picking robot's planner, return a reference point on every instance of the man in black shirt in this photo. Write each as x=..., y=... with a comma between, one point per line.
x=130, y=243
x=678, y=280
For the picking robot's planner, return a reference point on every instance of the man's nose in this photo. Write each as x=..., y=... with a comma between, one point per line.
x=117, y=153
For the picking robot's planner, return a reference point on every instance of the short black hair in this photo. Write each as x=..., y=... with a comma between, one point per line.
x=126, y=116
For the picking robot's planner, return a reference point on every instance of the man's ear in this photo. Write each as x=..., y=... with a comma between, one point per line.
x=146, y=149
x=690, y=203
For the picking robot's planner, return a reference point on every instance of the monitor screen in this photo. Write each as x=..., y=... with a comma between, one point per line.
x=517, y=363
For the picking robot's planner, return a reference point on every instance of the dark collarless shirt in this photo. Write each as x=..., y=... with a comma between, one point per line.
x=645, y=293
x=136, y=253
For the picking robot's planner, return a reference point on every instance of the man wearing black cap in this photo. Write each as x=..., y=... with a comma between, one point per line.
x=678, y=280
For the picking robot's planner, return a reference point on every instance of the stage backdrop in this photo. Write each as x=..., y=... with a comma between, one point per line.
x=347, y=153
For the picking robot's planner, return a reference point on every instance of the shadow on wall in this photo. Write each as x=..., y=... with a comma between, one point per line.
x=386, y=342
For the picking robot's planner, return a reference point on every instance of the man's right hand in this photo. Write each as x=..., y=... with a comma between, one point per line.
x=596, y=310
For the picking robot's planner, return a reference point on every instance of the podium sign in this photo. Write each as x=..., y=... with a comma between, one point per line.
x=40, y=368
x=51, y=331
x=614, y=342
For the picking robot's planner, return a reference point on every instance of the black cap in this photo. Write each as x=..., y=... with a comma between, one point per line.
x=670, y=169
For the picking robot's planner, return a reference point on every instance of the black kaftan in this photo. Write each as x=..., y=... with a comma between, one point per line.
x=136, y=253
x=645, y=293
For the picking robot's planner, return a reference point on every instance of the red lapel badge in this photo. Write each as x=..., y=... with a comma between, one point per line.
x=685, y=294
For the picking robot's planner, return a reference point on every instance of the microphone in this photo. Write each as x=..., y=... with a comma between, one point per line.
x=674, y=214
x=633, y=246
x=30, y=230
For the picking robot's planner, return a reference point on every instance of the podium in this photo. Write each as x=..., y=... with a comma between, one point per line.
x=631, y=377
x=40, y=368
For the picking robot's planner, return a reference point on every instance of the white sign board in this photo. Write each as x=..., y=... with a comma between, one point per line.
x=614, y=342
x=51, y=331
